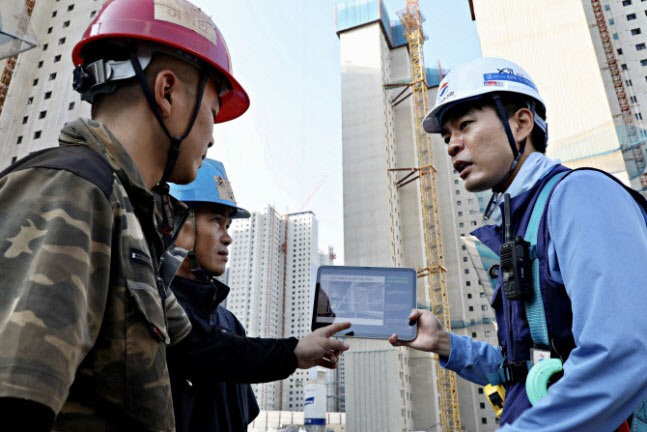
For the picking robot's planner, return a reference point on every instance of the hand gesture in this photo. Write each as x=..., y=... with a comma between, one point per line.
x=318, y=349
x=431, y=337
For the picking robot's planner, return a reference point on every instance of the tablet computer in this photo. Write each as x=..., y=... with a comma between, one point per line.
x=376, y=301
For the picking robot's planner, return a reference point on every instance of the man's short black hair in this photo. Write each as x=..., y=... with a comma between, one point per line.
x=511, y=104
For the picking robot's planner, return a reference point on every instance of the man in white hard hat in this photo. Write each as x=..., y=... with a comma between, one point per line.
x=570, y=295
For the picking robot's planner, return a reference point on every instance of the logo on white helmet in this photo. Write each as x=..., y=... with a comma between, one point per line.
x=503, y=77
x=444, y=93
x=443, y=88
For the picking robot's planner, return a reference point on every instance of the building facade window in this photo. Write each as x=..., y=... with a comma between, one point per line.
x=52, y=76
x=48, y=95
x=611, y=21
x=623, y=67
x=24, y=119
x=628, y=83
x=640, y=46
x=19, y=140
x=625, y=2
x=57, y=58
x=619, y=50
x=631, y=17
x=37, y=134
x=615, y=36
x=643, y=62
x=635, y=31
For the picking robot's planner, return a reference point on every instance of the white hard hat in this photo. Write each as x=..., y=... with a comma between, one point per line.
x=472, y=80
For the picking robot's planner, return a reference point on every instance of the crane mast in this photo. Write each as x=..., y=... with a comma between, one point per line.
x=435, y=271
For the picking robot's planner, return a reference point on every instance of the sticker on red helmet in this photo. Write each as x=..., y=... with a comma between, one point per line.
x=185, y=14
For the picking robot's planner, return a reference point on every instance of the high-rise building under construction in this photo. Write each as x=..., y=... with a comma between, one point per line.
x=388, y=388
x=272, y=269
x=40, y=98
x=589, y=61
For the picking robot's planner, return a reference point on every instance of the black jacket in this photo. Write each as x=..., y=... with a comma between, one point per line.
x=211, y=368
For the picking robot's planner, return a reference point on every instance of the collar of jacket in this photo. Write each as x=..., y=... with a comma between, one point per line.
x=204, y=296
x=146, y=204
x=520, y=212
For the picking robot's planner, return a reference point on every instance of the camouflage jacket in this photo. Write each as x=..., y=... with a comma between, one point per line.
x=84, y=318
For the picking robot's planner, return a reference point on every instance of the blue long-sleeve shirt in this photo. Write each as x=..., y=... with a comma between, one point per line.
x=598, y=250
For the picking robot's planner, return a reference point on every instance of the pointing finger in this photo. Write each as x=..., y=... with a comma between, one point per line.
x=335, y=328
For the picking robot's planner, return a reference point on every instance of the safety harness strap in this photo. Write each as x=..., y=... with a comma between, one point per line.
x=510, y=372
x=535, y=313
x=639, y=422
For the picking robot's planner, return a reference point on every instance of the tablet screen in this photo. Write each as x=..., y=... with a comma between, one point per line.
x=377, y=301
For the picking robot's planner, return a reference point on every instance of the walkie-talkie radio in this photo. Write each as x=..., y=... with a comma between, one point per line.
x=515, y=261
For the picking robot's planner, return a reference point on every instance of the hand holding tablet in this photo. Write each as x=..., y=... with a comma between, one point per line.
x=376, y=301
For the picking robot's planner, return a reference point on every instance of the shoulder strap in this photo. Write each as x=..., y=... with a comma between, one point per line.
x=535, y=313
x=78, y=159
x=639, y=421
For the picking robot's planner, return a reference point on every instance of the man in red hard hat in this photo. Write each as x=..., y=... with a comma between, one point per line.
x=86, y=315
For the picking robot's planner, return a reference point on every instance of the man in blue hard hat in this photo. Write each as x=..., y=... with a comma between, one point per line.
x=211, y=369
x=570, y=293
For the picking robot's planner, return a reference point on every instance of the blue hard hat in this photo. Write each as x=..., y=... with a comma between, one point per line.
x=210, y=186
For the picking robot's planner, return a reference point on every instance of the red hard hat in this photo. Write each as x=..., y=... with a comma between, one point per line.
x=174, y=23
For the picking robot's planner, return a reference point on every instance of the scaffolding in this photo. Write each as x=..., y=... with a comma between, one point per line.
x=632, y=152
x=435, y=271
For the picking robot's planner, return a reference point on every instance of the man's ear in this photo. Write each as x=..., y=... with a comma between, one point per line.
x=166, y=82
x=522, y=123
x=186, y=237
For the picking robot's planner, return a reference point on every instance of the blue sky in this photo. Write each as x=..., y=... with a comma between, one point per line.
x=285, y=53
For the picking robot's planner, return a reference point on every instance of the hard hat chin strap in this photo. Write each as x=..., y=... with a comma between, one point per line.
x=497, y=190
x=197, y=270
x=174, y=149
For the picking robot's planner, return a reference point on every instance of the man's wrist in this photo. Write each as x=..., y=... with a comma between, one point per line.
x=443, y=347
